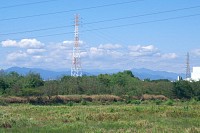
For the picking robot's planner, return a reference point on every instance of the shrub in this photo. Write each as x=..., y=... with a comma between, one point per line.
x=158, y=102
x=58, y=99
x=39, y=100
x=31, y=92
x=83, y=102
x=70, y=103
x=128, y=101
x=169, y=102
x=3, y=103
x=137, y=102
x=193, y=101
x=112, y=110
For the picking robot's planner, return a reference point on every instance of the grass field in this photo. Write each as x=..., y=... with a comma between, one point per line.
x=115, y=118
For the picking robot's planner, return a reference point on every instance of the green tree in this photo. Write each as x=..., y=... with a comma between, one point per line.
x=3, y=86
x=51, y=88
x=33, y=80
x=183, y=89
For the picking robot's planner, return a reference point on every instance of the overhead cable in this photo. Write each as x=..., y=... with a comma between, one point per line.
x=59, y=12
x=25, y=4
x=118, y=26
x=101, y=21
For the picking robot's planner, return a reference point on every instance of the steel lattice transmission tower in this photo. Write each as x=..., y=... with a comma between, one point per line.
x=76, y=70
x=188, y=66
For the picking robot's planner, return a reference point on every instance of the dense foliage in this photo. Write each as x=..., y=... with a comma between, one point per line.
x=122, y=83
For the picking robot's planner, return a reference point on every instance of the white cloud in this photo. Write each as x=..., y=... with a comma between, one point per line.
x=68, y=42
x=96, y=51
x=110, y=46
x=38, y=59
x=71, y=42
x=149, y=48
x=139, y=50
x=196, y=52
x=16, y=56
x=105, y=56
x=24, y=43
x=35, y=51
x=169, y=56
x=9, y=43
x=104, y=52
x=83, y=54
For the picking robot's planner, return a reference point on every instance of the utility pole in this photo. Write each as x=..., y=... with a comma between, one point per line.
x=76, y=70
x=188, y=66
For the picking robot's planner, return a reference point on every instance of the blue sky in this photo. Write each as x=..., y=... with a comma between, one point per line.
x=140, y=43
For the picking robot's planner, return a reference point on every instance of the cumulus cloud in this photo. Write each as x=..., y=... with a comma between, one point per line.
x=58, y=55
x=110, y=46
x=104, y=52
x=139, y=50
x=24, y=43
x=38, y=59
x=94, y=51
x=9, y=43
x=35, y=51
x=71, y=42
x=16, y=56
x=169, y=56
x=68, y=42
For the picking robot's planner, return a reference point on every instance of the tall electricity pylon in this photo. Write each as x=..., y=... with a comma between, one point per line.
x=188, y=66
x=76, y=70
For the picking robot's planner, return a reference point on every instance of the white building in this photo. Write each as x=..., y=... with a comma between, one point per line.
x=195, y=75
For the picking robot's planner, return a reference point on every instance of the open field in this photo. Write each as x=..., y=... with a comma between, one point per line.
x=118, y=117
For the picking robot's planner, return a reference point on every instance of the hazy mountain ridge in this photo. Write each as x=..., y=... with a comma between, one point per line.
x=154, y=75
x=140, y=73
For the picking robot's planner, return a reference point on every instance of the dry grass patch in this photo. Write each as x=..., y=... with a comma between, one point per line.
x=13, y=99
x=153, y=97
x=109, y=98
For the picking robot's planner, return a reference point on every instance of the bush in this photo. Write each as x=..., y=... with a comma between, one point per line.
x=39, y=100
x=31, y=92
x=197, y=98
x=3, y=103
x=83, y=102
x=193, y=101
x=169, y=102
x=137, y=102
x=128, y=101
x=58, y=99
x=158, y=102
x=70, y=103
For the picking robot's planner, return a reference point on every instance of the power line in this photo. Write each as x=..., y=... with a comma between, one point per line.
x=43, y=29
x=32, y=3
x=145, y=22
x=147, y=14
x=118, y=26
x=59, y=12
x=135, y=16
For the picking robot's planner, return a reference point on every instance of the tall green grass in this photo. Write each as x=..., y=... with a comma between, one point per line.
x=148, y=117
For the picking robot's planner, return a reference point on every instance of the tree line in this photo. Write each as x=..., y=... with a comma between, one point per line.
x=121, y=83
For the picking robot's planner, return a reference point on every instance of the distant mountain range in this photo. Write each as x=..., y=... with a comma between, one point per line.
x=140, y=73
x=155, y=75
